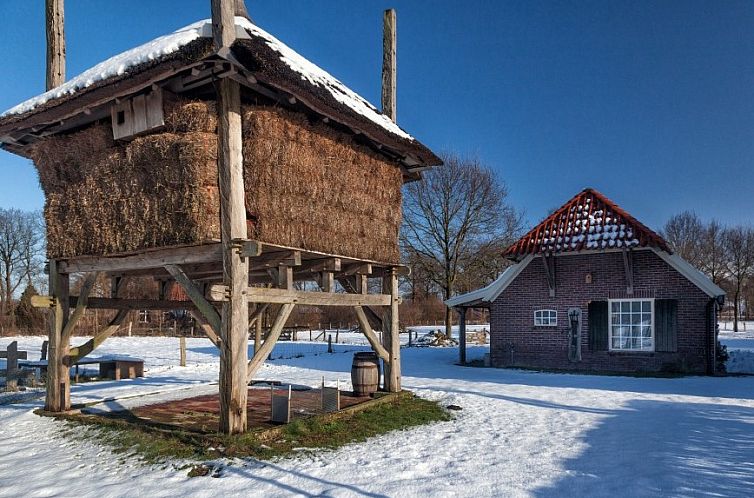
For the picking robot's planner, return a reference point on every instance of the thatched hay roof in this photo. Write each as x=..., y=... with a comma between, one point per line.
x=272, y=63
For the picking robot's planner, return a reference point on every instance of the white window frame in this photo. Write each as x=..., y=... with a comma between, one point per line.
x=143, y=316
x=651, y=325
x=552, y=317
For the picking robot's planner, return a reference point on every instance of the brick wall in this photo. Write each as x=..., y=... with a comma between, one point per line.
x=515, y=341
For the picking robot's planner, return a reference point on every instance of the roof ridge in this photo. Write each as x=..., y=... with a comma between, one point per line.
x=588, y=220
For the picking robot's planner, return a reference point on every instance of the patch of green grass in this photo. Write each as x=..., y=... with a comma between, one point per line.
x=158, y=443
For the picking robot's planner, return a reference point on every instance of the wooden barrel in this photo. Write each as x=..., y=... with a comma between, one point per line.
x=365, y=373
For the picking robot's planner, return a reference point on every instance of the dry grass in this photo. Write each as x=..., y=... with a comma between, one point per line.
x=307, y=186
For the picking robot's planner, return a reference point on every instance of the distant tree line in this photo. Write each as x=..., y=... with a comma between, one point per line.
x=724, y=253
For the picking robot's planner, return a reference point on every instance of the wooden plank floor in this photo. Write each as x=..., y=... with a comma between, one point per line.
x=201, y=413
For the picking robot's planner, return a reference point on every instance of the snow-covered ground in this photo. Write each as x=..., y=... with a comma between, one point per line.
x=740, y=346
x=519, y=434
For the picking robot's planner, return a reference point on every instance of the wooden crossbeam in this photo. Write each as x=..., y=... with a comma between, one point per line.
x=288, y=258
x=77, y=353
x=358, y=269
x=307, y=298
x=81, y=305
x=314, y=266
x=366, y=328
x=205, y=307
x=157, y=258
x=264, y=352
x=110, y=303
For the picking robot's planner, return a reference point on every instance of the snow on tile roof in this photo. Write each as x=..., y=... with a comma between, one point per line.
x=588, y=221
x=173, y=42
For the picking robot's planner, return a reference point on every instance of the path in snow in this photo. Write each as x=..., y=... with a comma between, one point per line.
x=519, y=434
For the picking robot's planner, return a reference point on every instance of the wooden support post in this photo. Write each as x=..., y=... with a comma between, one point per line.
x=58, y=378
x=391, y=337
x=235, y=311
x=55, y=24
x=462, y=336
x=389, y=78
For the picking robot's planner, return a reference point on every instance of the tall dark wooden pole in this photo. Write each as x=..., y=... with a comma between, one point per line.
x=462, y=336
x=389, y=65
x=235, y=311
x=55, y=22
x=58, y=383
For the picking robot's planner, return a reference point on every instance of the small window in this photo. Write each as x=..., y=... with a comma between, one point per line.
x=143, y=316
x=121, y=117
x=545, y=318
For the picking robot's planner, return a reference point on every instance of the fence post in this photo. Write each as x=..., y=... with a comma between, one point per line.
x=329, y=343
x=183, y=351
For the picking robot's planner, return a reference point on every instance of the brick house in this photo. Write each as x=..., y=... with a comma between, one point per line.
x=592, y=288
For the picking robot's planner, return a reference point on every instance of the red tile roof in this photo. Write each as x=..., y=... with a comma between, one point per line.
x=588, y=221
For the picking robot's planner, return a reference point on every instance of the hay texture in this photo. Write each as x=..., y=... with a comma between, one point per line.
x=307, y=186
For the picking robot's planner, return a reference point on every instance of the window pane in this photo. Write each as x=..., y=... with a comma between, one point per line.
x=616, y=319
x=625, y=307
x=646, y=331
x=616, y=307
x=636, y=306
x=646, y=319
x=646, y=306
x=636, y=319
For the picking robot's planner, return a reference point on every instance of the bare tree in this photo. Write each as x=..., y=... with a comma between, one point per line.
x=712, y=249
x=21, y=253
x=684, y=234
x=456, y=209
x=738, y=243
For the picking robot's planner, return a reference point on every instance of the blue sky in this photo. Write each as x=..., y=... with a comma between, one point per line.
x=651, y=102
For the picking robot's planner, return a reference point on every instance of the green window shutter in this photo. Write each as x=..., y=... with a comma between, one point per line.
x=666, y=325
x=598, y=325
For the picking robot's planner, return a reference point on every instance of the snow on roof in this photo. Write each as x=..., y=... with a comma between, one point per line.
x=168, y=44
x=587, y=221
x=318, y=76
x=114, y=66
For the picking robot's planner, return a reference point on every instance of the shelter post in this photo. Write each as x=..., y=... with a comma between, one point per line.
x=391, y=335
x=58, y=379
x=235, y=310
x=461, y=335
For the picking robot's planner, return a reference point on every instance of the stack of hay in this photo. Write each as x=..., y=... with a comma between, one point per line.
x=307, y=186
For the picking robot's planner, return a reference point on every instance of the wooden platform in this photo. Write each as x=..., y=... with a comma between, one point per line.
x=201, y=413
